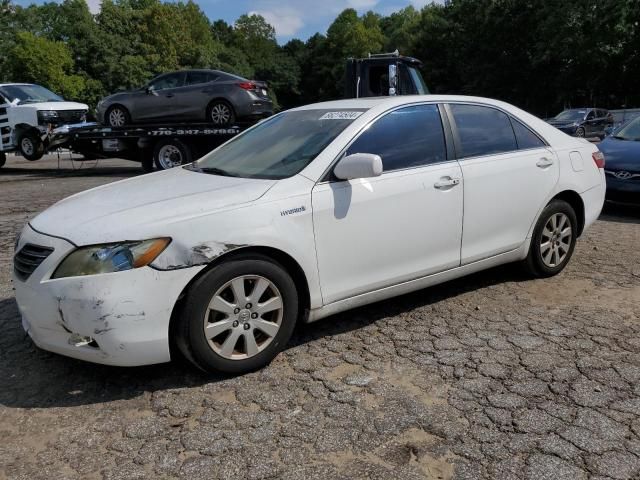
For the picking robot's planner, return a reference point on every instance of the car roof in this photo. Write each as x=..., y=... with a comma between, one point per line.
x=14, y=84
x=398, y=100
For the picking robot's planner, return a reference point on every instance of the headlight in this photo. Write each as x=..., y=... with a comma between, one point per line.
x=47, y=114
x=114, y=257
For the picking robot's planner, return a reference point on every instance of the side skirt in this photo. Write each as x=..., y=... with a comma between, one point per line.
x=417, y=284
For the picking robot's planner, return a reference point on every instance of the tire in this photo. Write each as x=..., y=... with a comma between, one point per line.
x=542, y=260
x=30, y=146
x=221, y=113
x=3, y=159
x=117, y=116
x=580, y=132
x=228, y=351
x=171, y=153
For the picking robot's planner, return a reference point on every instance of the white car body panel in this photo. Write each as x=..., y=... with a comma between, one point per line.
x=355, y=241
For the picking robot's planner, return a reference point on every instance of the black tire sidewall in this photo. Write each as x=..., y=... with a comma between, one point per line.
x=584, y=132
x=534, y=258
x=198, y=300
x=3, y=159
x=184, y=151
x=232, y=118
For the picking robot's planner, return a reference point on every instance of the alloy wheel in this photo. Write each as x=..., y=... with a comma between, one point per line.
x=117, y=118
x=243, y=317
x=555, y=242
x=220, y=114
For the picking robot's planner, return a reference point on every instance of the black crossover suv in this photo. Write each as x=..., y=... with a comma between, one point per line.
x=188, y=95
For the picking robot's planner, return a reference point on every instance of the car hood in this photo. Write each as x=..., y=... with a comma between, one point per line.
x=55, y=106
x=621, y=154
x=145, y=206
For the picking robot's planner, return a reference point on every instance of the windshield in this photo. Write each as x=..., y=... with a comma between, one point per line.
x=571, y=115
x=280, y=146
x=631, y=131
x=28, y=94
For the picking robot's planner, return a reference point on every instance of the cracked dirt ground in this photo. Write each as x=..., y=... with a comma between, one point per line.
x=492, y=376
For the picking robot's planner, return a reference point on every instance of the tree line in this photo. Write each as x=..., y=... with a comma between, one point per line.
x=542, y=55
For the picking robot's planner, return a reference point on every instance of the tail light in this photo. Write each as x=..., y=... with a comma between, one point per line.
x=247, y=85
x=598, y=157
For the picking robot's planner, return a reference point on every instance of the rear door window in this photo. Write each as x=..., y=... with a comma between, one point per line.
x=405, y=138
x=195, y=78
x=525, y=137
x=483, y=130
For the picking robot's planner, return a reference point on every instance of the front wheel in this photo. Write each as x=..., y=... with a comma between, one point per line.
x=171, y=153
x=580, y=132
x=117, y=116
x=31, y=146
x=3, y=159
x=238, y=316
x=553, y=241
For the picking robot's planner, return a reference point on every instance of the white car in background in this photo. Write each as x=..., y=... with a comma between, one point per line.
x=311, y=212
x=28, y=112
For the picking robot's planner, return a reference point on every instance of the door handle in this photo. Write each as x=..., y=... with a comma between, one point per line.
x=446, y=182
x=169, y=95
x=544, y=162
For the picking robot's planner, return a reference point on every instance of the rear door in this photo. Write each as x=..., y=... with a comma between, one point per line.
x=406, y=223
x=198, y=93
x=508, y=174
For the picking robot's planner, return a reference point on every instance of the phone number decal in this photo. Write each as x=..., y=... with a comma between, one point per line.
x=195, y=131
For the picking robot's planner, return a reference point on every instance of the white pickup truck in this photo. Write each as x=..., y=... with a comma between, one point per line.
x=27, y=113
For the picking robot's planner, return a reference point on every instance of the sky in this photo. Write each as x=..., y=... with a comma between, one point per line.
x=290, y=18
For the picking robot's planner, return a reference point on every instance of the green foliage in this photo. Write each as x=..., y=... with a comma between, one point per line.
x=35, y=59
x=539, y=54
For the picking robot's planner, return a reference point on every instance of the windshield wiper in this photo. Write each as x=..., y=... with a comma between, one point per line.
x=215, y=171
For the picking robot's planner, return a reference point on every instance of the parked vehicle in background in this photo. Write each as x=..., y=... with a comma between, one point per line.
x=211, y=96
x=28, y=112
x=622, y=151
x=314, y=211
x=583, y=122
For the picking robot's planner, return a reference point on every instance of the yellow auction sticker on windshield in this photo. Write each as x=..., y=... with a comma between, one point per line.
x=340, y=115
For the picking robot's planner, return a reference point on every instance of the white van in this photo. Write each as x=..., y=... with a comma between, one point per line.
x=28, y=112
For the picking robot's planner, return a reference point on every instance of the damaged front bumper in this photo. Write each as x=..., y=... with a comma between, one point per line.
x=117, y=318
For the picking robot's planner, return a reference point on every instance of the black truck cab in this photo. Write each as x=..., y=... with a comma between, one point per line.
x=382, y=75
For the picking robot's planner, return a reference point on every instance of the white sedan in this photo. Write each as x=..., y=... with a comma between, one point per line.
x=311, y=212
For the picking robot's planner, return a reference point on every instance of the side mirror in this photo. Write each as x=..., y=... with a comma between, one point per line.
x=150, y=90
x=358, y=165
x=393, y=79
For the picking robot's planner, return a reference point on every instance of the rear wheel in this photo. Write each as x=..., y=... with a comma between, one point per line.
x=31, y=146
x=553, y=241
x=171, y=153
x=221, y=113
x=3, y=159
x=238, y=316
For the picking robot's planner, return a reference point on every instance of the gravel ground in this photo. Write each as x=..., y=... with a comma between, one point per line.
x=492, y=376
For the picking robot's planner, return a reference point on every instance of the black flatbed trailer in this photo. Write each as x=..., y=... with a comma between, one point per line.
x=162, y=145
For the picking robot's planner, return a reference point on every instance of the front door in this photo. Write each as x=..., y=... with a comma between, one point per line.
x=405, y=224
x=163, y=101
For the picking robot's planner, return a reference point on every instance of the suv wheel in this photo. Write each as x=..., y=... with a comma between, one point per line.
x=31, y=146
x=553, y=241
x=238, y=316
